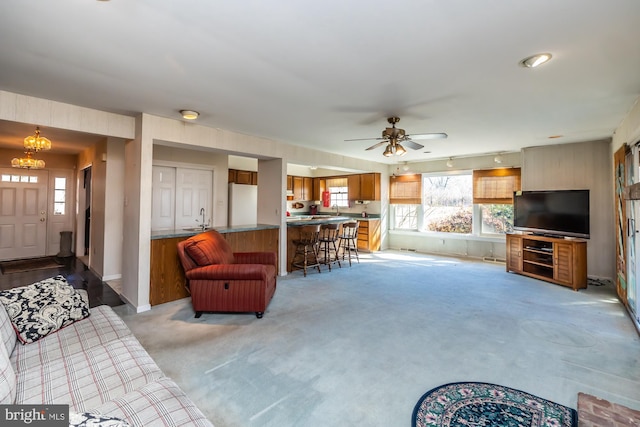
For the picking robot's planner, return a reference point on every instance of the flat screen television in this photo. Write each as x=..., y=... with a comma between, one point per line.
x=562, y=213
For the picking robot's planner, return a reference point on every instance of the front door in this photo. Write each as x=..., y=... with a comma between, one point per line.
x=23, y=213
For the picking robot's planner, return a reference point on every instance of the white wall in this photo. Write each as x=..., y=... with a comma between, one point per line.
x=113, y=209
x=586, y=165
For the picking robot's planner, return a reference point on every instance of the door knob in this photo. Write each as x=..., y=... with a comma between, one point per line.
x=42, y=219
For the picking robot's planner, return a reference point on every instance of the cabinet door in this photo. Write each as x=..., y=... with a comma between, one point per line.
x=243, y=177
x=363, y=235
x=514, y=253
x=232, y=175
x=254, y=178
x=289, y=183
x=353, y=182
x=319, y=185
x=298, y=184
x=368, y=186
x=563, y=262
x=307, y=188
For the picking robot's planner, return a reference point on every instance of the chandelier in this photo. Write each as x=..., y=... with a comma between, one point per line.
x=32, y=144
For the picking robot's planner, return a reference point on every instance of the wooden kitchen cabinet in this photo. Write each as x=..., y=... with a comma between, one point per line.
x=369, y=235
x=369, y=186
x=243, y=177
x=289, y=183
x=319, y=185
x=353, y=182
x=556, y=260
x=302, y=188
x=365, y=186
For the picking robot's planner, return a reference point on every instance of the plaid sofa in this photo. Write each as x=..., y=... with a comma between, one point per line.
x=95, y=366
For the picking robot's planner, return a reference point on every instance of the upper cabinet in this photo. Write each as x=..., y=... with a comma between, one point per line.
x=302, y=187
x=364, y=186
x=243, y=177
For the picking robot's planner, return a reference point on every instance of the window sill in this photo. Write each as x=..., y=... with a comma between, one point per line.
x=453, y=236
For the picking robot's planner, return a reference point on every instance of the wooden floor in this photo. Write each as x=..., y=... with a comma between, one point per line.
x=76, y=273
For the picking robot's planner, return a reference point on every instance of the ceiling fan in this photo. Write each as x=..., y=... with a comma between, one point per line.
x=393, y=136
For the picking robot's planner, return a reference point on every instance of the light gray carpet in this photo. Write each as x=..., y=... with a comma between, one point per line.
x=358, y=346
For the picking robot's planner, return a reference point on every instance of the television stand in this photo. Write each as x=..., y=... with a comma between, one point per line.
x=553, y=259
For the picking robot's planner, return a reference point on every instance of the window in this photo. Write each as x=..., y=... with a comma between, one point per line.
x=339, y=192
x=405, y=217
x=493, y=193
x=478, y=202
x=496, y=218
x=59, y=195
x=20, y=178
x=447, y=202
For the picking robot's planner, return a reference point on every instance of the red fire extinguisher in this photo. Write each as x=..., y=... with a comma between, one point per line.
x=326, y=199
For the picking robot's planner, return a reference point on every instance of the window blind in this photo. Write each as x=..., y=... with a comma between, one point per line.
x=405, y=189
x=495, y=186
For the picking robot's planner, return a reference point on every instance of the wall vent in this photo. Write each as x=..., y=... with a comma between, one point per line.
x=492, y=259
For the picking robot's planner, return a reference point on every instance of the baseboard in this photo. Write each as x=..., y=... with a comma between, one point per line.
x=139, y=309
x=111, y=277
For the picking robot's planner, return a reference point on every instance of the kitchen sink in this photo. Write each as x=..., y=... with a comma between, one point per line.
x=197, y=228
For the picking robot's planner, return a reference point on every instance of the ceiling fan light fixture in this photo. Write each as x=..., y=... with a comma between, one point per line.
x=388, y=152
x=536, y=60
x=189, y=114
x=400, y=150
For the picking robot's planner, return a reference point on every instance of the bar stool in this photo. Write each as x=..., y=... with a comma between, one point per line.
x=328, y=247
x=349, y=240
x=306, y=254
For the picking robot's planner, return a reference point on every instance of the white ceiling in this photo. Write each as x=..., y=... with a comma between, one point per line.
x=315, y=73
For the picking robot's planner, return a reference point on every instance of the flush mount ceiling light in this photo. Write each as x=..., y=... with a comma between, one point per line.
x=450, y=162
x=498, y=158
x=189, y=114
x=535, y=60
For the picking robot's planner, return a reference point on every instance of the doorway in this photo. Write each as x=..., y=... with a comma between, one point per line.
x=23, y=213
x=83, y=241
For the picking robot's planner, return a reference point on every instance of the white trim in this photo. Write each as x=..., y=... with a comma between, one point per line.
x=452, y=236
x=111, y=277
x=168, y=163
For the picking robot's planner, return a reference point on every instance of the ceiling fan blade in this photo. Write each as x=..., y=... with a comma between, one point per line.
x=379, y=144
x=440, y=135
x=409, y=143
x=365, y=139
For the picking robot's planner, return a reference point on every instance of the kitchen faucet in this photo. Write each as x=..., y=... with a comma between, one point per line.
x=204, y=224
x=337, y=209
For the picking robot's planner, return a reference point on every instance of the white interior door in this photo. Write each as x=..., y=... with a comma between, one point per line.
x=23, y=213
x=193, y=197
x=163, y=198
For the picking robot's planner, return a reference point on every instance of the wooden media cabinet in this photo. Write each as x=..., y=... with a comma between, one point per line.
x=556, y=260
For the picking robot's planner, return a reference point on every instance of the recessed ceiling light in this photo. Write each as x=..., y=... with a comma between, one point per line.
x=535, y=60
x=189, y=114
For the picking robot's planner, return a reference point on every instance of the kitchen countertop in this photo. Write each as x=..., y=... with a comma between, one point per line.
x=299, y=220
x=180, y=232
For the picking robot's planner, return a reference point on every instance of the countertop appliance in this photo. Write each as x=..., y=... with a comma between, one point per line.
x=243, y=204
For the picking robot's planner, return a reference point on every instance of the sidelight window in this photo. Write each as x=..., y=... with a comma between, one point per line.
x=59, y=196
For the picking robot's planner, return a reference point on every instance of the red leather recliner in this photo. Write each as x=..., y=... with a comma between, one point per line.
x=221, y=280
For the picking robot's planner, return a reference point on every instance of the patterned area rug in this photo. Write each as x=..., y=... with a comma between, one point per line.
x=21, y=265
x=481, y=404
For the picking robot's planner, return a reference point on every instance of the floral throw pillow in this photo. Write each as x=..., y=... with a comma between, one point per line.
x=89, y=419
x=43, y=307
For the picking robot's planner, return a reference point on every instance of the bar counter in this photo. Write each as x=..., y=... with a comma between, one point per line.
x=167, y=281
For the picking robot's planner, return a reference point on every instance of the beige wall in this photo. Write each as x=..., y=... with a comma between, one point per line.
x=586, y=165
